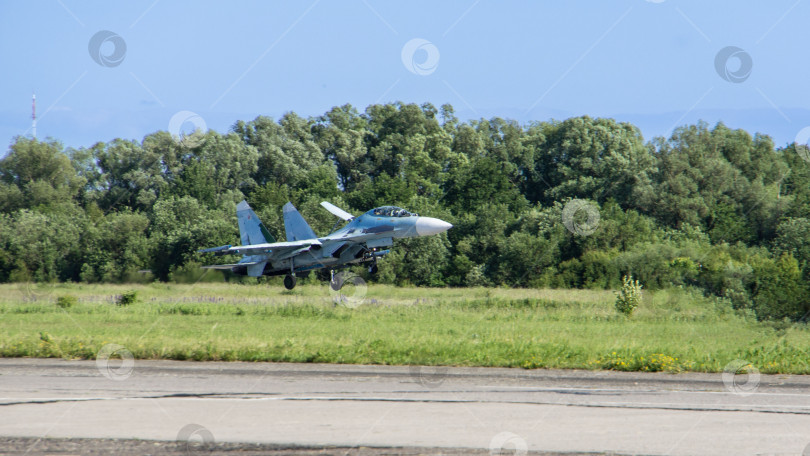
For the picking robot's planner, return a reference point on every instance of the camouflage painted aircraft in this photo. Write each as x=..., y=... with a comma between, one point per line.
x=360, y=241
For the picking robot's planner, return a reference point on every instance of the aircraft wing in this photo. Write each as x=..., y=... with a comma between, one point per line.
x=361, y=235
x=273, y=248
x=225, y=267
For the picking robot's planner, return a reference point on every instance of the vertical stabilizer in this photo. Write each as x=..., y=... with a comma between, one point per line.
x=296, y=227
x=251, y=229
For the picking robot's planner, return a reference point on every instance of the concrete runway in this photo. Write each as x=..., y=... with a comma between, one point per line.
x=503, y=411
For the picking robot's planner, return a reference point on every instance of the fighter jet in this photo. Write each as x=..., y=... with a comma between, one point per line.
x=360, y=241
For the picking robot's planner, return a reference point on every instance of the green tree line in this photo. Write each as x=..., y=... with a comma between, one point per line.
x=712, y=208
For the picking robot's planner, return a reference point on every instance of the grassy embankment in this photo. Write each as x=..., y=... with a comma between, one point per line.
x=671, y=331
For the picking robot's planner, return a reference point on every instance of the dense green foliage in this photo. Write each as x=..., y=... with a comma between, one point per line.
x=711, y=208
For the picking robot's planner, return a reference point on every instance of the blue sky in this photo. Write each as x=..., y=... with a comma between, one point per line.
x=651, y=63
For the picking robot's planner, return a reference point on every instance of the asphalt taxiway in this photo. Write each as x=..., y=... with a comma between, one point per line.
x=485, y=410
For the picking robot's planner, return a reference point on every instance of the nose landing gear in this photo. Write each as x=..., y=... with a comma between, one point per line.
x=335, y=281
x=373, y=268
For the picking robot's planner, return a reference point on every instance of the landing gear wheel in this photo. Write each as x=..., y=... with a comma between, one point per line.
x=373, y=269
x=289, y=281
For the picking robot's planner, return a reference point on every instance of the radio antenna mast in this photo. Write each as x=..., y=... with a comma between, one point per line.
x=34, y=115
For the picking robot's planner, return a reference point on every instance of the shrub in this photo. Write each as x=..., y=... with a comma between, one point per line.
x=779, y=290
x=476, y=277
x=66, y=302
x=127, y=298
x=629, y=297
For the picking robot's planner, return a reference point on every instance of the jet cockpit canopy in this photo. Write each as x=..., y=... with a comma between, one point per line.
x=391, y=211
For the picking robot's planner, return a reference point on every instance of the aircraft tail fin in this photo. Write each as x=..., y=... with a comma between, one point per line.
x=251, y=229
x=294, y=224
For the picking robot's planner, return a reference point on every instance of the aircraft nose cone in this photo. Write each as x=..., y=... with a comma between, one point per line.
x=425, y=226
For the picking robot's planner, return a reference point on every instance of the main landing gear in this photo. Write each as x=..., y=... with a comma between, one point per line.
x=335, y=281
x=289, y=281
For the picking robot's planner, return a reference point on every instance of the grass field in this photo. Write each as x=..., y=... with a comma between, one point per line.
x=673, y=330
